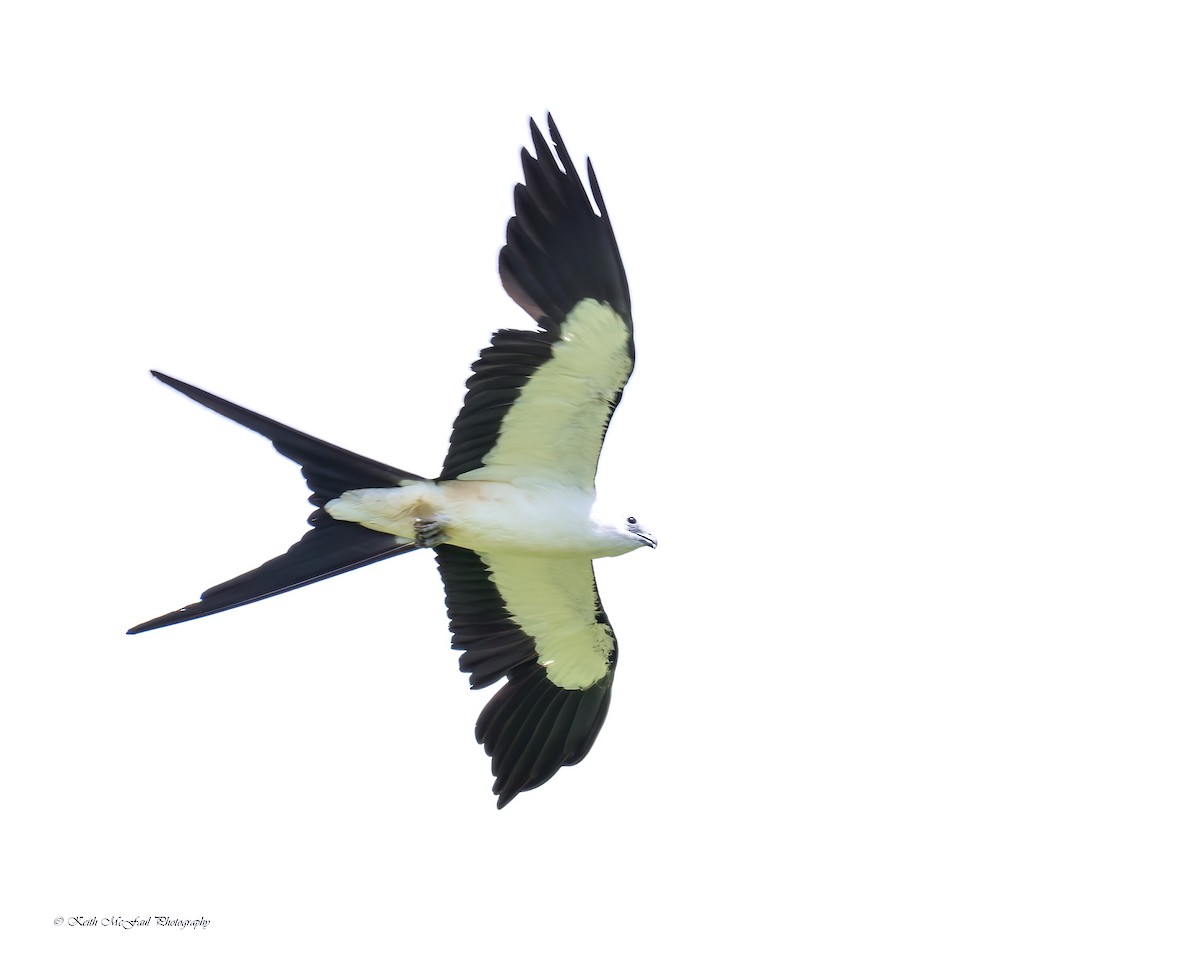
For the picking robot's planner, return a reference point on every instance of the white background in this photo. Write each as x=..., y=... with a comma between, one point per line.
x=913, y=674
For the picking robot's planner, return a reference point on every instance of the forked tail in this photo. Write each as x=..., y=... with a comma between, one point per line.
x=329, y=548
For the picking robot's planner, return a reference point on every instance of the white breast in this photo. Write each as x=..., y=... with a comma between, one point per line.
x=516, y=520
x=487, y=516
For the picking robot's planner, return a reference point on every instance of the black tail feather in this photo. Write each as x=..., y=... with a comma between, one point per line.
x=328, y=469
x=329, y=548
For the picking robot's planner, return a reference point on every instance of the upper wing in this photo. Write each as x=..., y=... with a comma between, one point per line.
x=539, y=622
x=539, y=403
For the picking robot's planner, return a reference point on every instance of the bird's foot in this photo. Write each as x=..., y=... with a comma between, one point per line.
x=428, y=532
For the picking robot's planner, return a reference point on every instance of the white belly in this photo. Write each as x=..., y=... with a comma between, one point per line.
x=484, y=516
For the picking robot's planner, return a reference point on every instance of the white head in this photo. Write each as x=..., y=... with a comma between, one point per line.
x=635, y=535
x=618, y=536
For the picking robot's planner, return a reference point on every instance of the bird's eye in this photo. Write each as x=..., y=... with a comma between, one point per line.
x=631, y=520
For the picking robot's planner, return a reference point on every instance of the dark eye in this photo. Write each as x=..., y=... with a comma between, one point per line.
x=631, y=520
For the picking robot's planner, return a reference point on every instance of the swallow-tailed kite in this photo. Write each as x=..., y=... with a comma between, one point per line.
x=510, y=516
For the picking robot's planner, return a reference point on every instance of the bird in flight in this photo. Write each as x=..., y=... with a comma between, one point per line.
x=510, y=517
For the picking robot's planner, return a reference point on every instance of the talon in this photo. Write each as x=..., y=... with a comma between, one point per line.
x=428, y=532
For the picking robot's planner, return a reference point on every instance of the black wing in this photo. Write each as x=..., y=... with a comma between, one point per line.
x=560, y=258
x=559, y=666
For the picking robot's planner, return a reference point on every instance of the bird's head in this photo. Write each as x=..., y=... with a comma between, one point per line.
x=638, y=536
